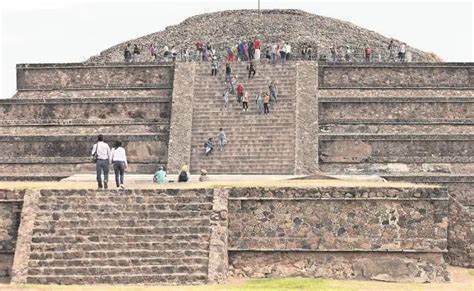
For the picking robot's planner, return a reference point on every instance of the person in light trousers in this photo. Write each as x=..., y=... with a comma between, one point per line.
x=118, y=158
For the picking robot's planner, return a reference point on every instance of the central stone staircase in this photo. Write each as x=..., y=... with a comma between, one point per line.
x=257, y=143
x=126, y=237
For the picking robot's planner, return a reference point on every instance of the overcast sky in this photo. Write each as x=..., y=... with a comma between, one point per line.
x=56, y=31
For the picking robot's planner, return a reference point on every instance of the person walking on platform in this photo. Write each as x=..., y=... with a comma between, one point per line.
x=119, y=161
x=101, y=156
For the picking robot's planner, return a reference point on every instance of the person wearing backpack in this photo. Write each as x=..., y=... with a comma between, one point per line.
x=183, y=175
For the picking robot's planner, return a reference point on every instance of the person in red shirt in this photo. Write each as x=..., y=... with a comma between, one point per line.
x=266, y=101
x=240, y=92
x=256, y=46
x=199, y=48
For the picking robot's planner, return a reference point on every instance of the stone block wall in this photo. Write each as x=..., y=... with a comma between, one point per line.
x=419, y=75
x=90, y=76
x=181, y=122
x=306, y=118
x=339, y=233
x=460, y=235
x=10, y=211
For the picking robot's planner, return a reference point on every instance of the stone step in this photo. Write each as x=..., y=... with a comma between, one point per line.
x=134, y=278
x=123, y=239
x=75, y=200
x=104, y=246
x=67, y=232
x=110, y=270
x=109, y=207
x=128, y=193
x=124, y=261
x=110, y=254
x=67, y=215
x=121, y=222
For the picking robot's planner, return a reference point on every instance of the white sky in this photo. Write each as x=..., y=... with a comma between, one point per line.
x=56, y=31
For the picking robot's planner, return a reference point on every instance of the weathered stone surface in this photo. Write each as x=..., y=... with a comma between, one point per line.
x=25, y=232
x=397, y=76
x=393, y=267
x=398, y=148
x=10, y=208
x=81, y=76
x=401, y=92
x=297, y=27
x=218, y=256
x=406, y=110
x=306, y=143
x=158, y=109
x=179, y=147
x=460, y=235
x=98, y=93
x=338, y=225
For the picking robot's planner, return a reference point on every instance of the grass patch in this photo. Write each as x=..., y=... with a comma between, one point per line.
x=287, y=284
x=471, y=272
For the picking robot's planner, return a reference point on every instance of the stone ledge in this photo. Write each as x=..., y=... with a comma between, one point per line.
x=467, y=65
x=91, y=138
x=82, y=122
x=336, y=192
x=329, y=87
x=84, y=100
x=396, y=137
x=338, y=250
x=110, y=87
x=399, y=122
x=440, y=99
x=92, y=65
x=70, y=160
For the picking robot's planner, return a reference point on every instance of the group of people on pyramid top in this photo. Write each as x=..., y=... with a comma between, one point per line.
x=346, y=53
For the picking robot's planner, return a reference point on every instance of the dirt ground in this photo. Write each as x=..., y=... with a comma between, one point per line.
x=461, y=280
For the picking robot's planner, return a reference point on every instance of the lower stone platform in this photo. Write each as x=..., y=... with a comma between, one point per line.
x=198, y=233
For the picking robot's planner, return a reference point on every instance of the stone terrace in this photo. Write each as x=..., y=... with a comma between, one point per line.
x=48, y=128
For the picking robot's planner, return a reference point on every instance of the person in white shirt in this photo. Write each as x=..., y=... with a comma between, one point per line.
x=119, y=160
x=101, y=151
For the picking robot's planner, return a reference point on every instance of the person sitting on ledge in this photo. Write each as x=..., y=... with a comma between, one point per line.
x=183, y=175
x=203, y=177
x=160, y=176
x=208, y=146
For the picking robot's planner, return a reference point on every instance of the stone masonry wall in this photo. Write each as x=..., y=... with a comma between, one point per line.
x=179, y=147
x=345, y=233
x=460, y=235
x=80, y=76
x=439, y=75
x=98, y=109
x=10, y=210
x=306, y=143
x=338, y=219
